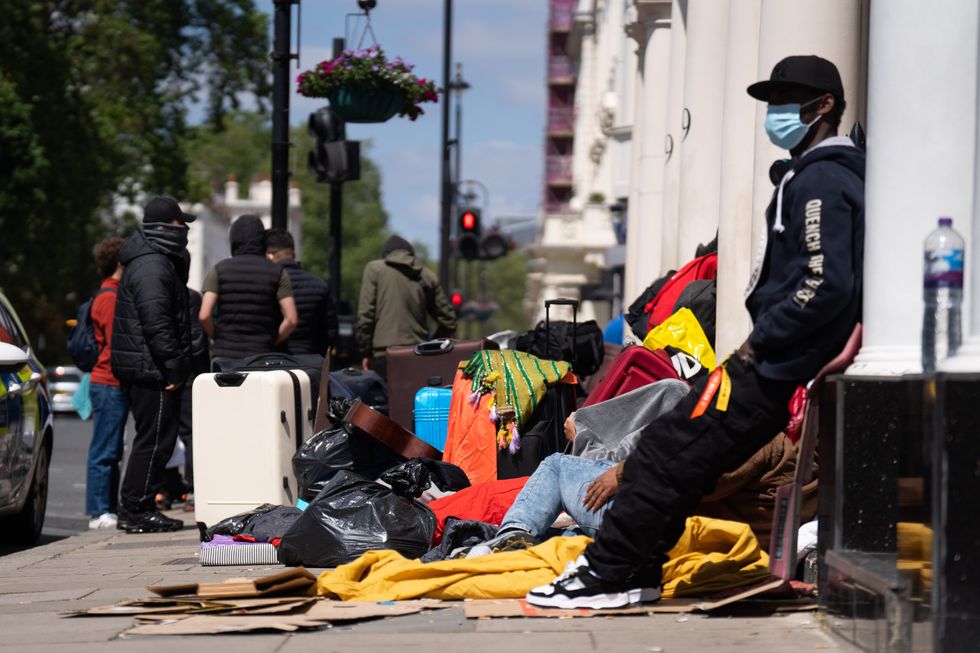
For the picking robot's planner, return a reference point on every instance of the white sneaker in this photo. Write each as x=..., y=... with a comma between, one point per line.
x=105, y=520
x=579, y=587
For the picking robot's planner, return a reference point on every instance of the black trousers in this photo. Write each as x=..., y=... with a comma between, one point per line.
x=156, y=413
x=677, y=461
x=185, y=433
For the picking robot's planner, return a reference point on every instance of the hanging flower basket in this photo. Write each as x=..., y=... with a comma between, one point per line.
x=362, y=105
x=364, y=86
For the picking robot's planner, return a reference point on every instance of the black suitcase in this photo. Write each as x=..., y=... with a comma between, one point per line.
x=354, y=383
x=579, y=344
x=544, y=432
x=542, y=436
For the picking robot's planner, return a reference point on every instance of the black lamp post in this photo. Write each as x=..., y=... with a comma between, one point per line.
x=445, y=222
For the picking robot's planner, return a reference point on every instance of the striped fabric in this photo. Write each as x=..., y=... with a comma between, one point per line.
x=220, y=555
x=519, y=380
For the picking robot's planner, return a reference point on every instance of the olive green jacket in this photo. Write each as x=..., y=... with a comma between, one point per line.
x=397, y=295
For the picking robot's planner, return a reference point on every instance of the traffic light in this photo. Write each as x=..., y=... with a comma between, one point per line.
x=333, y=158
x=494, y=245
x=456, y=299
x=470, y=230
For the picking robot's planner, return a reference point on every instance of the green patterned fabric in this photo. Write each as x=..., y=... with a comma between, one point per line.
x=519, y=380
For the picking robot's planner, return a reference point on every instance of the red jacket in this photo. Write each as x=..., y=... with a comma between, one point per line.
x=103, y=311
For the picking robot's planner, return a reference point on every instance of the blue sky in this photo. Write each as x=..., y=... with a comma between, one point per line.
x=501, y=44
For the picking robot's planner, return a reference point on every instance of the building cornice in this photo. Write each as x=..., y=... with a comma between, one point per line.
x=648, y=14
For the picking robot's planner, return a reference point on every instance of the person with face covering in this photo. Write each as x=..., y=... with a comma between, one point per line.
x=804, y=298
x=398, y=294
x=151, y=355
x=252, y=295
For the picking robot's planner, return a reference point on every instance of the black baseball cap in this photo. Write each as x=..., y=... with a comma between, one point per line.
x=806, y=71
x=165, y=209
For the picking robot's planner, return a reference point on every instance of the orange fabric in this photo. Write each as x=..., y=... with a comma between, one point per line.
x=486, y=502
x=103, y=312
x=471, y=441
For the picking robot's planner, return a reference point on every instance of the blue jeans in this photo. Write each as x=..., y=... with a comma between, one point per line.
x=109, y=409
x=559, y=483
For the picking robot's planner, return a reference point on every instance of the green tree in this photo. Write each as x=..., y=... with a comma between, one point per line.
x=504, y=281
x=239, y=149
x=94, y=99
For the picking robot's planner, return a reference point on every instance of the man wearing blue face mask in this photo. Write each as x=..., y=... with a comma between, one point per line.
x=804, y=297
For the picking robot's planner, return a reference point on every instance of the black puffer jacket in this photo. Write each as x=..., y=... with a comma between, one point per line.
x=248, y=310
x=151, y=333
x=317, y=327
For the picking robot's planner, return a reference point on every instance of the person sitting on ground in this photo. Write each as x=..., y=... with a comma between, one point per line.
x=317, y=328
x=583, y=484
x=804, y=300
x=252, y=295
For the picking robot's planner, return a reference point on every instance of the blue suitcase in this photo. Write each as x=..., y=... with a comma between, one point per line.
x=432, y=415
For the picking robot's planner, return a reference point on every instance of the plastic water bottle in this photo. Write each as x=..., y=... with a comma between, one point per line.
x=942, y=290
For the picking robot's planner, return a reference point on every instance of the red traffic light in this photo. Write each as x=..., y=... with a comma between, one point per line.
x=469, y=220
x=456, y=299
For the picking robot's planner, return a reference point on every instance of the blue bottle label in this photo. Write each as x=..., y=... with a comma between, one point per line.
x=944, y=269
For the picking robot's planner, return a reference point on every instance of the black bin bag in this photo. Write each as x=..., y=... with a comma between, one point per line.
x=336, y=449
x=416, y=475
x=352, y=515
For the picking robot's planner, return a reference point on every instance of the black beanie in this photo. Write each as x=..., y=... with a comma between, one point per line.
x=397, y=242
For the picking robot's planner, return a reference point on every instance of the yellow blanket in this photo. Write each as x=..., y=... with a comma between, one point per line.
x=713, y=554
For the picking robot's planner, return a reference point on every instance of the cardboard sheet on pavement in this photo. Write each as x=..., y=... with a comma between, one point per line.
x=319, y=614
x=292, y=582
x=752, y=599
x=151, y=606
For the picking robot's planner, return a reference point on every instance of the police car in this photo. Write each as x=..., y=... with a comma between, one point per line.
x=26, y=433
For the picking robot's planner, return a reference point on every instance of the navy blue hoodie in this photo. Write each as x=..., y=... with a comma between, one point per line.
x=805, y=298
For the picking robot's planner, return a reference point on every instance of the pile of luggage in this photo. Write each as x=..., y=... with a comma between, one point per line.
x=319, y=466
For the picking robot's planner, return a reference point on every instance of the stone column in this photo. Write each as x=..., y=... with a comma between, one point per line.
x=672, y=141
x=645, y=213
x=701, y=125
x=732, y=323
x=967, y=359
x=919, y=166
x=833, y=29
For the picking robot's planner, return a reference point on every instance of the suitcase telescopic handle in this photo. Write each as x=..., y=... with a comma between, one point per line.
x=434, y=347
x=560, y=301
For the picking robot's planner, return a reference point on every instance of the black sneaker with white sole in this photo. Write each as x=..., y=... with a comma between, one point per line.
x=579, y=587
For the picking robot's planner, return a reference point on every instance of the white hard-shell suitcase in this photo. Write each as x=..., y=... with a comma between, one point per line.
x=247, y=426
